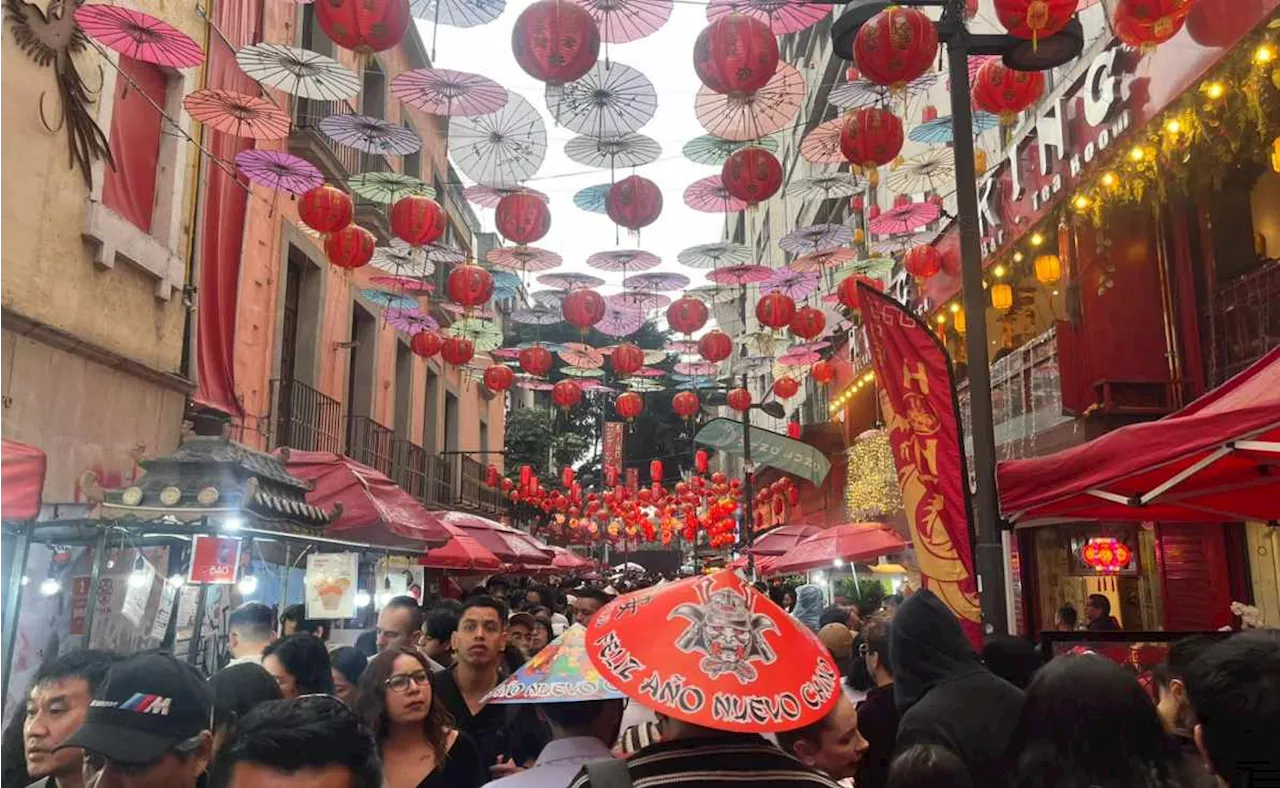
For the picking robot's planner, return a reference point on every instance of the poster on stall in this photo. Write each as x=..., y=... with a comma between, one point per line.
x=214, y=559
x=397, y=577
x=331, y=585
x=160, y=624
x=137, y=592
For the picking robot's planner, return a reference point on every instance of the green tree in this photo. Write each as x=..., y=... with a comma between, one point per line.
x=533, y=433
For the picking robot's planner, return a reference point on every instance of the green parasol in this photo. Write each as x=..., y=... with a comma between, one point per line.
x=387, y=187
x=484, y=334
x=714, y=150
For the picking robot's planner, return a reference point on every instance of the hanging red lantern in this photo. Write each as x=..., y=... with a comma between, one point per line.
x=457, y=351
x=775, y=310
x=417, y=220
x=1217, y=24
x=629, y=405
x=566, y=394
x=793, y=430
x=687, y=315
x=350, y=247
x=535, y=360
x=1002, y=91
x=555, y=41
x=583, y=309
x=522, y=218
x=1034, y=19
x=735, y=55
x=364, y=26
x=1146, y=24
x=922, y=261
x=752, y=175
x=739, y=400
x=491, y=476
x=686, y=404
x=634, y=202
x=701, y=460
x=871, y=137
x=566, y=477
x=857, y=204
x=896, y=46
x=469, y=285
x=499, y=377
x=847, y=291
x=425, y=343
x=325, y=209
x=715, y=346
x=526, y=476
x=808, y=323
x=823, y=372
x=626, y=359
x=1106, y=554
x=655, y=471
x=786, y=387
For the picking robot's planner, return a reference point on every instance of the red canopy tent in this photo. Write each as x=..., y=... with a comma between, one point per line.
x=777, y=541
x=462, y=553
x=569, y=561
x=374, y=509
x=22, y=469
x=1218, y=459
x=849, y=542
x=513, y=547
x=764, y=564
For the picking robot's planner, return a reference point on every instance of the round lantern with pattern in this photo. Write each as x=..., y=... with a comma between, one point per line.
x=823, y=372
x=896, y=46
x=922, y=261
x=1035, y=19
x=686, y=404
x=566, y=394
x=1106, y=554
x=325, y=209
x=555, y=41
x=626, y=359
x=457, y=351
x=871, y=137
x=715, y=346
x=752, y=175
x=735, y=55
x=634, y=202
x=629, y=405
x=417, y=220
x=425, y=344
x=535, y=360
x=522, y=218
x=1146, y=24
x=808, y=323
x=1002, y=91
x=847, y=290
x=499, y=377
x=785, y=387
x=469, y=285
x=739, y=400
x=350, y=247
x=364, y=26
x=775, y=310
x=582, y=309
x=687, y=315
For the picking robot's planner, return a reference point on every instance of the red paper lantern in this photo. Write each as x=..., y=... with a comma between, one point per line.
x=583, y=309
x=752, y=175
x=857, y=204
x=629, y=405
x=715, y=346
x=555, y=41
x=526, y=476
x=775, y=310
x=364, y=26
x=655, y=471
x=847, y=291
x=895, y=47
x=785, y=387
x=793, y=432
x=1106, y=554
x=626, y=359
x=871, y=137
x=499, y=377
x=566, y=393
x=686, y=404
x=426, y=343
x=687, y=315
x=469, y=285
x=634, y=202
x=350, y=247
x=522, y=218
x=823, y=372
x=739, y=400
x=1032, y=19
x=809, y=323
x=417, y=220
x=325, y=209
x=457, y=351
x=1146, y=24
x=735, y=55
x=1002, y=91
x=701, y=460
x=535, y=360
x=922, y=261
x=566, y=477
x=1218, y=24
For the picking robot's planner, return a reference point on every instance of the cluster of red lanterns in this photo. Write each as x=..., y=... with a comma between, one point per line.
x=364, y=26
x=1106, y=554
x=771, y=502
x=328, y=210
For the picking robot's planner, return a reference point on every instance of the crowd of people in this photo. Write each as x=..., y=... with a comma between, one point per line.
x=408, y=707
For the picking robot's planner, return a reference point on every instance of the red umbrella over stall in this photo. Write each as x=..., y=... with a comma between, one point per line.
x=777, y=541
x=849, y=542
x=509, y=545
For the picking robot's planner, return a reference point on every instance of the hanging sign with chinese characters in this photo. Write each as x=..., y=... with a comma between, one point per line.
x=767, y=448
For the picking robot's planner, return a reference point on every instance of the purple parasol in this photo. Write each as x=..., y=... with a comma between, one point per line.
x=816, y=238
x=638, y=300
x=371, y=135
x=444, y=255
x=538, y=315
x=624, y=260
x=796, y=285
x=443, y=91
x=620, y=322
x=748, y=116
x=528, y=259
x=621, y=21
x=278, y=170
x=905, y=217
x=782, y=16
x=410, y=321
x=697, y=368
x=570, y=281
x=862, y=93
x=740, y=274
x=656, y=282
x=489, y=196
x=710, y=196
x=819, y=261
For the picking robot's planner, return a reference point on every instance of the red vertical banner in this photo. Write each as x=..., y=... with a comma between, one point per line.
x=917, y=394
x=613, y=444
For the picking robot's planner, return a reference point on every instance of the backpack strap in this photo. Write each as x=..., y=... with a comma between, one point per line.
x=608, y=773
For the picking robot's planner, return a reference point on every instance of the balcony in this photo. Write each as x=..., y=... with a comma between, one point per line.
x=369, y=214
x=336, y=162
x=304, y=418
x=370, y=443
x=1245, y=323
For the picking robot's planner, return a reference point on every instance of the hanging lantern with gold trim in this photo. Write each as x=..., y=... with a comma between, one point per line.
x=1002, y=296
x=958, y=323
x=1048, y=269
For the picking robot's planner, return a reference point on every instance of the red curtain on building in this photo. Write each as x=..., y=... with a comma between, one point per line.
x=22, y=470
x=130, y=188
x=223, y=220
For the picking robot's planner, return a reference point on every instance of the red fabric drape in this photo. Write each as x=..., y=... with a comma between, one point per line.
x=130, y=188
x=22, y=470
x=222, y=223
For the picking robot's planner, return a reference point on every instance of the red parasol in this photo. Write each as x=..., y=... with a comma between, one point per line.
x=849, y=542
x=140, y=36
x=461, y=553
x=442, y=91
x=508, y=544
x=527, y=259
x=905, y=217
x=22, y=470
x=710, y=196
x=570, y=561
x=746, y=117
x=237, y=114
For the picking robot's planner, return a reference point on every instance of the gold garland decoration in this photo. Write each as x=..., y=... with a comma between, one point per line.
x=871, y=479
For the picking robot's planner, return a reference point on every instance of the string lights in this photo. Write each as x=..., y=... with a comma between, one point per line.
x=871, y=479
x=842, y=399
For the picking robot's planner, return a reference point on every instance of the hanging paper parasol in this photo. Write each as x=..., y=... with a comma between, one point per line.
x=278, y=170
x=697, y=369
x=593, y=198
x=538, y=315
x=714, y=150
x=709, y=195
x=931, y=170
x=298, y=72
x=503, y=147
x=371, y=135
x=627, y=150
x=455, y=13
x=482, y=312
x=410, y=321
x=526, y=259
x=752, y=365
x=139, y=36
x=582, y=356
x=621, y=21
x=237, y=114
x=639, y=300
x=610, y=100
x=819, y=261
x=816, y=238
x=711, y=294
x=797, y=285
x=505, y=353
x=389, y=187
x=443, y=91
x=485, y=335
x=808, y=347
x=782, y=16
x=714, y=255
x=862, y=93
x=822, y=144
x=740, y=275
x=533, y=384
x=582, y=372
x=748, y=116
x=444, y=255
x=656, y=282
x=825, y=187
x=642, y=385
x=624, y=260
x=682, y=347
x=620, y=322
x=872, y=267
x=906, y=217
x=405, y=285
x=506, y=280
x=939, y=132
x=549, y=298
x=387, y=299
x=570, y=281
x=801, y=358
x=648, y=372
x=401, y=259
x=488, y=196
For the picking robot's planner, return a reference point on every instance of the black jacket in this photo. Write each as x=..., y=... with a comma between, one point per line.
x=878, y=724
x=945, y=694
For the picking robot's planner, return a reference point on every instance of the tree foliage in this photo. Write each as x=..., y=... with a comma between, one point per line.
x=535, y=437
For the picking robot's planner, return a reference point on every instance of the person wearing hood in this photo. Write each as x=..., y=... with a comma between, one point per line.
x=808, y=608
x=946, y=696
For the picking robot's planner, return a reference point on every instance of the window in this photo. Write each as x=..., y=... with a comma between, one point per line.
x=412, y=164
x=404, y=391
x=362, y=369
x=431, y=416
x=484, y=441
x=373, y=95
x=130, y=188
x=311, y=35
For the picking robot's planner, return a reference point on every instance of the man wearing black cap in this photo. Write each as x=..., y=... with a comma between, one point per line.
x=147, y=726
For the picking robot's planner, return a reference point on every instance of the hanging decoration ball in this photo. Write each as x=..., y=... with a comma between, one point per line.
x=522, y=218
x=629, y=405
x=325, y=209
x=847, y=290
x=1002, y=296
x=686, y=405
x=469, y=285
x=715, y=346
x=626, y=359
x=775, y=310
x=1034, y=19
x=457, y=351
x=499, y=378
x=786, y=387
x=686, y=315
x=426, y=343
x=417, y=220
x=350, y=247
x=896, y=46
x=566, y=394
x=871, y=137
x=735, y=55
x=808, y=323
x=823, y=372
x=752, y=175
x=1002, y=91
x=922, y=261
x=555, y=41
x=1146, y=24
x=739, y=400
x=583, y=308
x=1048, y=269
x=535, y=360
x=364, y=26
x=634, y=202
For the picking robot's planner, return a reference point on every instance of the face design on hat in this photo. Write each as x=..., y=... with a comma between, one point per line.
x=726, y=630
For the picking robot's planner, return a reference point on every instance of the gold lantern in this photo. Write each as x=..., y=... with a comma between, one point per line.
x=1002, y=296
x=1048, y=269
x=958, y=322
x=980, y=162
x=859, y=236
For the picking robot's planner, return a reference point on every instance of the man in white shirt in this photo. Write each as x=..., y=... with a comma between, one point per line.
x=581, y=731
x=249, y=630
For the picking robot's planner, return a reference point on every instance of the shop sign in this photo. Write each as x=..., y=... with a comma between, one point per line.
x=214, y=559
x=331, y=585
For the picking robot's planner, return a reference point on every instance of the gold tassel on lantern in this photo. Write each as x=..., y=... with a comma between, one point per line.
x=859, y=236
x=980, y=162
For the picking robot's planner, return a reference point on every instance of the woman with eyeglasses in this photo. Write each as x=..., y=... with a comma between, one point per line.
x=418, y=748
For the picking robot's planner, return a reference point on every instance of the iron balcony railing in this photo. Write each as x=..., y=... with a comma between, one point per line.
x=305, y=419
x=307, y=114
x=1245, y=323
x=409, y=461
x=370, y=443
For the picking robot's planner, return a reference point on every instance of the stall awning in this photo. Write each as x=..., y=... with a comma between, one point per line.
x=462, y=553
x=779, y=540
x=511, y=546
x=374, y=508
x=1216, y=460
x=569, y=561
x=846, y=543
x=22, y=470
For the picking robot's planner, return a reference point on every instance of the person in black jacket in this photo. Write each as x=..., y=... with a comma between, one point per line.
x=945, y=694
x=877, y=715
x=1098, y=610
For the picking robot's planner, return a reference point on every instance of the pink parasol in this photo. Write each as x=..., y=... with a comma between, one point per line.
x=905, y=217
x=656, y=282
x=795, y=284
x=639, y=300
x=862, y=93
x=624, y=260
x=410, y=321
x=816, y=238
x=620, y=322
x=782, y=16
x=505, y=352
x=581, y=356
x=740, y=274
x=822, y=145
x=710, y=196
x=683, y=347
x=746, y=117
x=490, y=196
x=140, y=36
x=621, y=21
x=482, y=312
x=237, y=114
x=533, y=384
x=699, y=369
x=370, y=134
x=807, y=347
x=798, y=359
x=528, y=259
x=570, y=281
x=278, y=170
x=648, y=372
x=819, y=261
x=443, y=91
x=409, y=285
